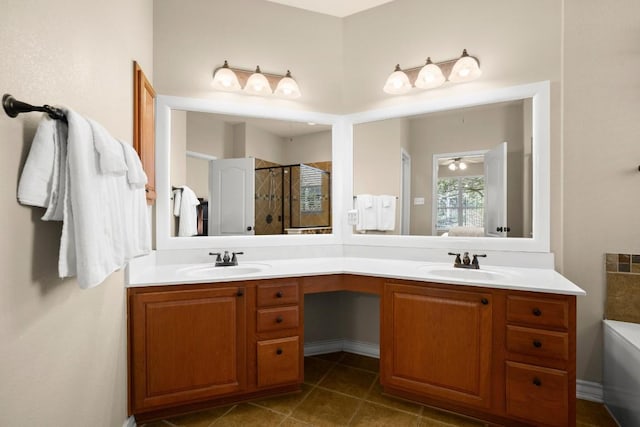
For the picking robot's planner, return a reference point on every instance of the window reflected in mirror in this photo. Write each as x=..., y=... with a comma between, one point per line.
x=456, y=173
x=249, y=176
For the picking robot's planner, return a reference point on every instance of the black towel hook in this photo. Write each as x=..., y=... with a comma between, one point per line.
x=13, y=107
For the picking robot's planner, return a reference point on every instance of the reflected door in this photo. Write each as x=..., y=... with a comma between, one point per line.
x=495, y=175
x=231, y=184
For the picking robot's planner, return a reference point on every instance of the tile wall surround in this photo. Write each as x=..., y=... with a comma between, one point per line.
x=623, y=287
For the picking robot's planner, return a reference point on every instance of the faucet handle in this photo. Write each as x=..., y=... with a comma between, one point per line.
x=234, y=259
x=475, y=259
x=217, y=254
x=457, y=261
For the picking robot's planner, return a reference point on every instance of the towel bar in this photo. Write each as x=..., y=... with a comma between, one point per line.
x=13, y=107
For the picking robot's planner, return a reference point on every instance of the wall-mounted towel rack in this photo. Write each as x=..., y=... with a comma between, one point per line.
x=13, y=107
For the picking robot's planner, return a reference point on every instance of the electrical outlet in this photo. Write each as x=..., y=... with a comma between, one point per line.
x=352, y=217
x=418, y=201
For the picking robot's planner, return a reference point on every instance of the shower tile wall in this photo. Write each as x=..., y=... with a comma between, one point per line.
x=268, y=199
x=623, y=287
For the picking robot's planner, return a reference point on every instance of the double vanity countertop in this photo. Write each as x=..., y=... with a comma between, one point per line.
x=513, y=278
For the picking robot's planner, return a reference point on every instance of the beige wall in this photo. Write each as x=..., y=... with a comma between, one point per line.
x=262, y=144
x=63, y=353
x=309, y=148
x=601, y=154
x=193, y=38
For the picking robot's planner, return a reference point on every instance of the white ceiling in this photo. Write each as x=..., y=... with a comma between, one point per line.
x=339, y=8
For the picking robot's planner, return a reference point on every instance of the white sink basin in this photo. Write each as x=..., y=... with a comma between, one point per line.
x=210, y=271
x=465, y=274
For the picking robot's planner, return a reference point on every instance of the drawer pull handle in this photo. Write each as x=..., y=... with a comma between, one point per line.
x=537, y=382
x=279, y=294
x=537, y=343
x=279, y=351
x=279, y=319
x=240, y=292
x=537, y=312
x=484, y=301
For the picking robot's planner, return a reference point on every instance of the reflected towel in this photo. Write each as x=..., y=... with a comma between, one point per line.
x=386, y=212
x=367, y=219
x=188, y=201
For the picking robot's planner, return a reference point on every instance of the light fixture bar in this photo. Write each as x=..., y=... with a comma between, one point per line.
x=243, y=75
x=445, y=66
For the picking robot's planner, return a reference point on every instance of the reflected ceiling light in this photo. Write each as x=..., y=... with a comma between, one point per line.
x=255, y=82
x=432, y=75
x=465, y=69
x=225, y=79
x=456, y=164
x=397, y=83
x=288, y=87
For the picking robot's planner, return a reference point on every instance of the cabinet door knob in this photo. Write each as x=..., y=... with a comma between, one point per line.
x=279, y=319
x=537, y=382
x=279, y=351
x=240, y=292
x=279, y=294
x=537, y=312
x=537, y=343
x=484, y=301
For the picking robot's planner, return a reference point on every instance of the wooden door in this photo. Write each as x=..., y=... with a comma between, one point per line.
x=144, y=113
x=187, y=345
x=437, y=342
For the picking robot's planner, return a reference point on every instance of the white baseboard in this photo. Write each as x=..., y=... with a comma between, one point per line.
x=331, y=346
x=588, y=390
x=129, y=422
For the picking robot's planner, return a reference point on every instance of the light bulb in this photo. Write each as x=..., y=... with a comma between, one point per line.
x=452, y=166
x=287, y=87
x=225, y=79
x=462, y=165
x=257, y=84
x=430, y=76
x=397, y=83
x=465, y=69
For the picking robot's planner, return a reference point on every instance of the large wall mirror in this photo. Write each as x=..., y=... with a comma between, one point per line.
x=467, y=172
x=231, y=175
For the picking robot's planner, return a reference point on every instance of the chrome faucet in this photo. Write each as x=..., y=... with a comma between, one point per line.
x=467, y=262
x=225, y=260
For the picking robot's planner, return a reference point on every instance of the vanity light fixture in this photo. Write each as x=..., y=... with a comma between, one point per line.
x=432, y=75
x=255, y=82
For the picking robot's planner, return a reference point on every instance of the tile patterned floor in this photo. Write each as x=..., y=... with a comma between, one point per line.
x=342, y=389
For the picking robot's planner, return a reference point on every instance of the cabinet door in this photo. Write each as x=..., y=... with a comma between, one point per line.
x=187, y=345
x=437, y=342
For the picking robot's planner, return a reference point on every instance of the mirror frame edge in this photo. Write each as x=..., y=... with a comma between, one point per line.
x=541, y=133
x=164, y=105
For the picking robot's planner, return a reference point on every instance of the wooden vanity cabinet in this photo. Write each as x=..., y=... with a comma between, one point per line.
x=193, y=346
x=503, y=356
x=186, y=344
x=437, y=342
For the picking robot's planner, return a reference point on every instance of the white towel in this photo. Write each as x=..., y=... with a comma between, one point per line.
x=386, y=212
x=135, y=173
x=44, y=169
x=105, y=218
x=188, y=225
x=109, y=150
x=367, y=219
x=177, y=199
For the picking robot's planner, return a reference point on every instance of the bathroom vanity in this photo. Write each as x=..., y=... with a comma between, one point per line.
x=501, y=348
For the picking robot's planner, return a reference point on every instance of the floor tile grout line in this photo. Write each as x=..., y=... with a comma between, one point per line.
x=362, y=400
x=220, y=417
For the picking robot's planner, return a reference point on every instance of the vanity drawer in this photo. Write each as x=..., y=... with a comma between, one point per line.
x=273, y=319
x=537, y=342
x=278, y=361
x=544, y=312
x=537, y=394
x=280, y=293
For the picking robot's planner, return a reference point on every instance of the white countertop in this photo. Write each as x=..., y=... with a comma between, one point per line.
x=514, y=278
